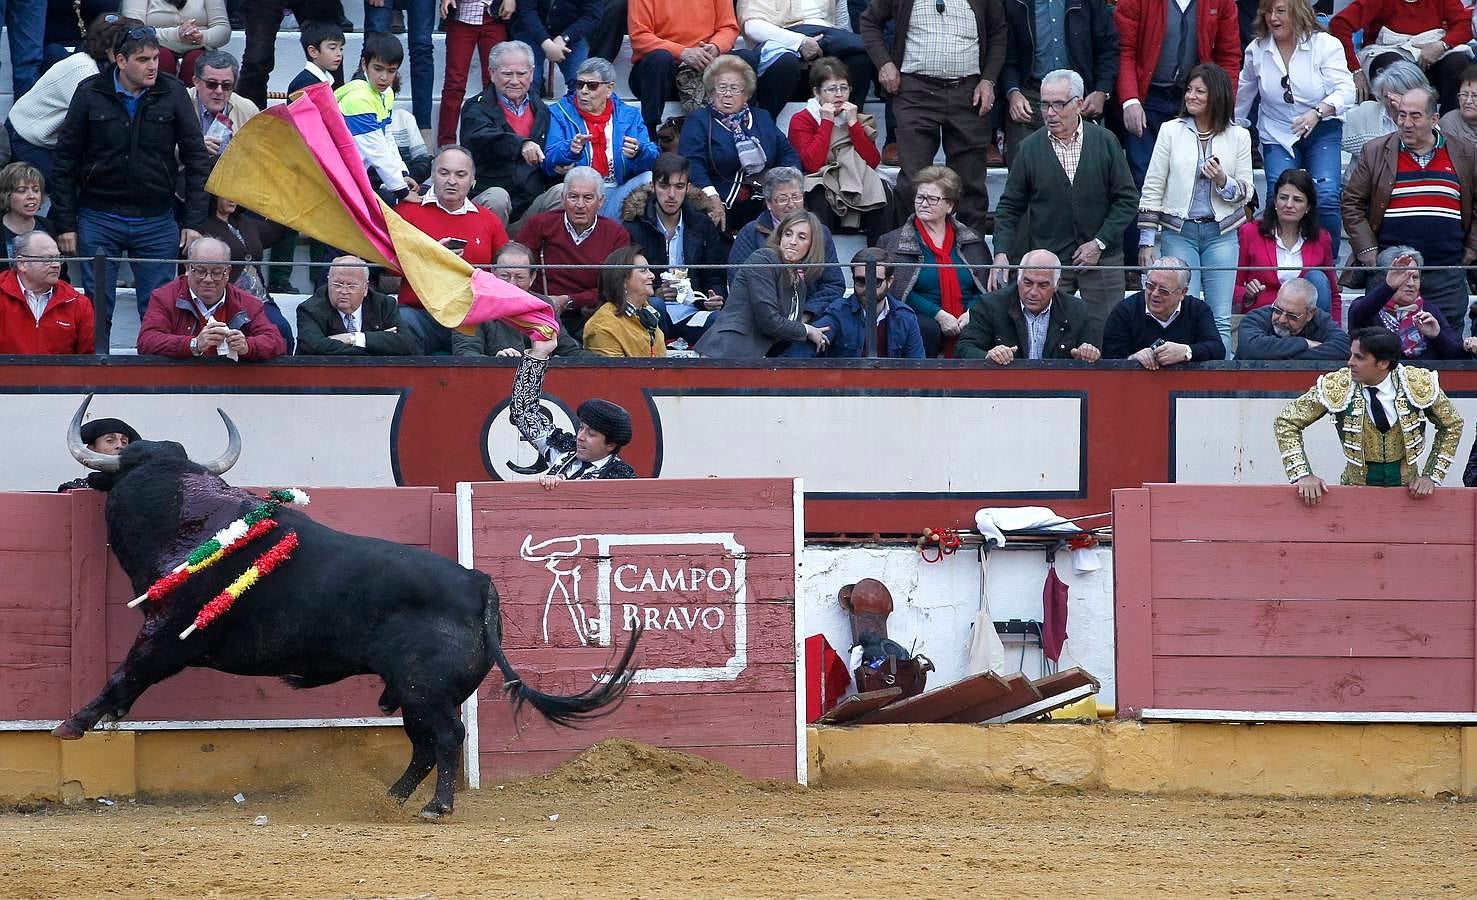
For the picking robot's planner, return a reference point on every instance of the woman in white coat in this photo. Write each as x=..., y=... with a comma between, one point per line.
x=1195, y=192
x=1298, y=71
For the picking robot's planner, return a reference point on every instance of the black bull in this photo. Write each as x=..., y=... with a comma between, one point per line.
x=342, y=605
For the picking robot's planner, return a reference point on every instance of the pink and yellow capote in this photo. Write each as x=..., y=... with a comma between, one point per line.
x=297, y=164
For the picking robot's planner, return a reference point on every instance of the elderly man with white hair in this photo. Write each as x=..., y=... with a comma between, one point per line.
x=40, y=313
x=1073, y=179
x=505, y=128
x=1161, y=326
x=1030, y=319
x=1293, y=327
x=346, y=317
x=565, y=240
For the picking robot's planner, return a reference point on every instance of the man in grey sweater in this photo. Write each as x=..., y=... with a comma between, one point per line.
x=1293, y=327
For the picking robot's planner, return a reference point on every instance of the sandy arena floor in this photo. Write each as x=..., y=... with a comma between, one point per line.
x=633, y=821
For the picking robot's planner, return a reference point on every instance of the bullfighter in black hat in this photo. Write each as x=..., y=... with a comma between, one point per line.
x=604, y=428
x=108, y=436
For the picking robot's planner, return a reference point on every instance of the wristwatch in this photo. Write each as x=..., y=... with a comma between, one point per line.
x=1189, y=353
x=194, y=346
x=1102, y=245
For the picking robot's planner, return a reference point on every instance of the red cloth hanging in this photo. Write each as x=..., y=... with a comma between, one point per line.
x=827, y=677
x=1053, y=613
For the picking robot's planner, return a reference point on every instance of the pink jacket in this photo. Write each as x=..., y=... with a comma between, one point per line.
x=1260, y=253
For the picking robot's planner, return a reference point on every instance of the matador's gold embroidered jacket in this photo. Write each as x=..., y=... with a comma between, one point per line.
x=1418, y=397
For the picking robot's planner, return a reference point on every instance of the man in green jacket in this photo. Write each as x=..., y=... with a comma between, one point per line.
x=1074, y=179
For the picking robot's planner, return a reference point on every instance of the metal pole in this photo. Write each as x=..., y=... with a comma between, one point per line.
x=869, y=307
x=102, y=317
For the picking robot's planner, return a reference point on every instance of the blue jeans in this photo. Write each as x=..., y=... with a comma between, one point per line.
x=577, y=55
x=1160, y=106
x=1318, y=153
x=420, y=21
x=22, y=150
x=1202, y=244
x=25, y=22
x=154, y=238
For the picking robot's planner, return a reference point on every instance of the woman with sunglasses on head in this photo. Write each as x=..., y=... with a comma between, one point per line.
x=1297, y=70
x=593, y=127
x=35, y=120
x=1195, y=192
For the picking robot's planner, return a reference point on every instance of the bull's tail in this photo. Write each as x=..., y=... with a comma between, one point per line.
x=602, y=698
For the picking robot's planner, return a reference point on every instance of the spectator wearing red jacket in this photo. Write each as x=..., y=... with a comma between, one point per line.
x=1287, y=242
x=1431, y=33
x=40, y=313
x=1159, y=42
x=204, y=315
x=446, y=213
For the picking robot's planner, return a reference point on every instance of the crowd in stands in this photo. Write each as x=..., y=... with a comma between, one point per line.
x=1129, y=226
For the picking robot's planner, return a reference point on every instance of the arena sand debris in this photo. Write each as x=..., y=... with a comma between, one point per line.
x=640, y=821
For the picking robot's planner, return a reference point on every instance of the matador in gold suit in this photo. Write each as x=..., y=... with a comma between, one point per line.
x=1388, y=458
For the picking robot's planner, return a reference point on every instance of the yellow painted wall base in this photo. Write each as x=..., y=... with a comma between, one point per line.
x=1274, y=760
x=38, y=767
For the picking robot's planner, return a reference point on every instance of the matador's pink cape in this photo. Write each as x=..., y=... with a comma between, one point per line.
x=297, y=164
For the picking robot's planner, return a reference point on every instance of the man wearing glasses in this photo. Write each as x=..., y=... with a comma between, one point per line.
x=204, y=315
x=1293, y=327
x=127, y=135
x=1073, y=179
x=1160, y=326
x=346, y=317
x=221, y=110
x=40, y=313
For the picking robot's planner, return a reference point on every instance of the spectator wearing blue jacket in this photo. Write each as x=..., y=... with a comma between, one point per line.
x=592, y=127
x=784, y=193
x=732, y=144
x=898, y=336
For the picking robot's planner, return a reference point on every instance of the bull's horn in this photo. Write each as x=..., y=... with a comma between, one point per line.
x=84, y=454
x=223, y=463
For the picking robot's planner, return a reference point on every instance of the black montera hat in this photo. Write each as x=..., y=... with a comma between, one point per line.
x=99, y=427
x=608, y=419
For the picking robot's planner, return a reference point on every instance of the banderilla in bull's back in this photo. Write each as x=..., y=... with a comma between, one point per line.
x=342, y=605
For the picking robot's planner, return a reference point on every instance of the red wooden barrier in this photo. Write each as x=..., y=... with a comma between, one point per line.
x=64, y=625
x=707, y=567
x=1241, y=598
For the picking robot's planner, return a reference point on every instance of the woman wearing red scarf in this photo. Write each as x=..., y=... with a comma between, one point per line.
x=592, y=126
x=934, y=259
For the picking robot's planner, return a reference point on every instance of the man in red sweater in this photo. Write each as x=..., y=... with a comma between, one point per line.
x=204, y=315
x=446, y=213
x=1431, y=33
x=40, y=313
x=575, y=236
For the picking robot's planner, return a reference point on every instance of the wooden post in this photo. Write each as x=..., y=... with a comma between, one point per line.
x=1133, y=603
x=89, y=593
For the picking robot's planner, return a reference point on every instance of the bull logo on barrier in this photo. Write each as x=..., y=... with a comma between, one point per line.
x=688, y=590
